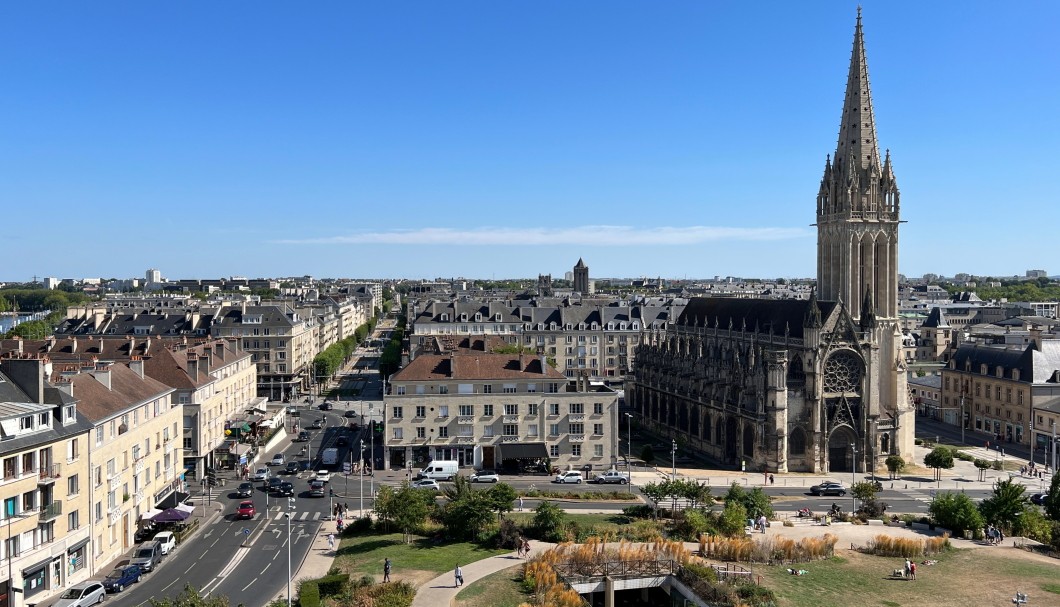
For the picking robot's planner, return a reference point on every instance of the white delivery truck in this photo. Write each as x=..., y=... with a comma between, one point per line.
x=329, y=457
x=440, y=470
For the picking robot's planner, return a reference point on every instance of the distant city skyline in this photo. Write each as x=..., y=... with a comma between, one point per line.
x=491, y=140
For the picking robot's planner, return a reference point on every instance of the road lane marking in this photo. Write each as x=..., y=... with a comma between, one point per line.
x=215, y=542
x=170, y=584
x=189, y=568
x=204, y=552
x=279, y=515
x=240, y=554
x=266, y=568
x=305, y=515
x=250, y=584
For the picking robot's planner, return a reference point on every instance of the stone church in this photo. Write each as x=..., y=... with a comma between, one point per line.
x=813, y=385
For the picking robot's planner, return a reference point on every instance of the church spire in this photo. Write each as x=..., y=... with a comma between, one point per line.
x=857, y=128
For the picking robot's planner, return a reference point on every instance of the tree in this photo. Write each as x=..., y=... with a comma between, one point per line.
x=548, y=520
x=864, y=491
x=755, y=502
x=384, y=505
x=982, y=466
x=733, y=519
x=465, y=517
x=695, y=492
x=501, y=497
x=190, y=597
x=895, y=465
x=956, y=512
x=1052, y=499
x=655, y=492
x=1005, y=505
x=647, y=454
x=411, y=508
x=939, y=458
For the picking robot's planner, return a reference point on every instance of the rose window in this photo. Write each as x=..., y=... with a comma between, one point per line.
x=842, y=373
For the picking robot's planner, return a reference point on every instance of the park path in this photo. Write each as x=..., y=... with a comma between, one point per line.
x=441, y=591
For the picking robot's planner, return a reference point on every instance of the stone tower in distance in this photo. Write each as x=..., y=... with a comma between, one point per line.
x=581, y=277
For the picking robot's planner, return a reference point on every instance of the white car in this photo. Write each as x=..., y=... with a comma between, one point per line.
x=570, y=476
x=260, y=474
x=323, y=476
x=278, y=460
x=485, y=476
x=82, y=595
x=166, y=541
x=427, y=484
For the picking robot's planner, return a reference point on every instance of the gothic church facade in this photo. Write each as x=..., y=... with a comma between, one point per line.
x=812, y=385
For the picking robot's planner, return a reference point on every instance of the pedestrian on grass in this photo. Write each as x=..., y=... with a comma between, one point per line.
x=908, y=568
x=459, y=575
x=912, y=570
x=386, y=570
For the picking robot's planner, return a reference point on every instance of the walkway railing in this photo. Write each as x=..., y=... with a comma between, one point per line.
x=574, y=572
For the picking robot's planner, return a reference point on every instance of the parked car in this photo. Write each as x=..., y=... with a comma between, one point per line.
x=260, y=474
x=82, y=595
x=147, y=556
x=293, y=468
x=167, y=541
x=612, y=476
x=121, y=578
x=1038, y=498
x=245, y=510
x=323, y=476
x=278, y=460
x=286, y=488
x=828, y=488
x=303, y=437
x=570, y=476
x=427, y=483
x=485, y=476
x=245, y=490
x=316, y=488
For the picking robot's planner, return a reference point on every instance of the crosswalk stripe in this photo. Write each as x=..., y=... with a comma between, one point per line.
x=304, y=516
x=316, y=516
x=279, y=515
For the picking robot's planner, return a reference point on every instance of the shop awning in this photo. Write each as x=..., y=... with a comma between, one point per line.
x=523, y=451
x=171, y=500
x=79, y=545
x=149, y=514
x=186, y=508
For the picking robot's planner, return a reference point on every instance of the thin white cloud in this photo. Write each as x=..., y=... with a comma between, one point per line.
x=590, y=235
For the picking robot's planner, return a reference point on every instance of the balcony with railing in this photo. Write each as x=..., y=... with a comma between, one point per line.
x=576, y=438
x=508, y=438
x=576, y=417
x=51, y=512
x=510, y=419
x=465, y=419
x=48, y=474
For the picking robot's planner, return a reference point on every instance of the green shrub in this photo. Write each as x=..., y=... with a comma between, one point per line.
x=333, y=584
x=997, y=465
x=703, y=572
x=754, y=595
x=309, y=595
x=639, y=511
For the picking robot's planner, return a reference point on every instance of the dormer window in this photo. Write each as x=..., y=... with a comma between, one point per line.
x=478, y=317
x=1000, y=371
x=595, y=327
x=443, y=317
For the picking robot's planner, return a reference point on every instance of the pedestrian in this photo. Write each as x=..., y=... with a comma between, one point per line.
x=520, y=503
x=772, y=480
x=908, y=568
x=459, y=575
x=331, y=541
x=346, y=509
x=526, y=547
x=912, y=570
x=762, y=522
x=386, y=570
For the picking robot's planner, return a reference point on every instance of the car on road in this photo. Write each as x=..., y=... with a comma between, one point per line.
x=828, y=488
x=82, y=595
x=147, y=556
x=485, y=476
x=245, y=490
x=278, y=460
x=274, y=484
x=303, y=437
x=121, y=578
x=570, y=476
x=326, y=406
x=323, y=476
x=1038, y=499
x=286, y=488
x=293, y=468
x=260, y=474
x=166, y=541
x=427, y=484
x=612, y=476
x=318, y=424
x=350, y=413
x=341, y=442
x=316, y=488
x=245, y=510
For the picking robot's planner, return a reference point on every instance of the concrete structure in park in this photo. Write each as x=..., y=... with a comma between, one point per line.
x=814, y=385
x=498, y=411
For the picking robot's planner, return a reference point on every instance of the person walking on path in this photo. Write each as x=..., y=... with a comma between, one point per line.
x=762, y=522
x=520, y=503
x=459, y=575
x=331, y=541
x=386, y=570
x=772, y=480
x=526, y=548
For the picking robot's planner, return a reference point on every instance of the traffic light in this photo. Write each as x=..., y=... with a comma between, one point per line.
x=331, y=492
x=211, y=477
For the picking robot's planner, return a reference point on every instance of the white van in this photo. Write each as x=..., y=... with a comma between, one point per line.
x=440, y=470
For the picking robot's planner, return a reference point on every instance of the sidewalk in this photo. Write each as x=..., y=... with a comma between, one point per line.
x=319, y=559
x=441, y=591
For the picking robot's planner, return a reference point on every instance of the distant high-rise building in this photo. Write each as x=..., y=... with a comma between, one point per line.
x=581, y=277
x=51, y=283
x=153, y=276
x=1037, y=274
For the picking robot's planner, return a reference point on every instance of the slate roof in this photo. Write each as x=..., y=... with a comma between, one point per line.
x=98, y=403
x=769, y=315
x=477, y=366
x=936, y=319
x=1038, y=366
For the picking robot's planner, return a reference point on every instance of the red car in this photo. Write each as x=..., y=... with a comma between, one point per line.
x=245, y=510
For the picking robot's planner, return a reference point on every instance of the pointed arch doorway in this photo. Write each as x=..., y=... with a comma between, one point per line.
x=840, y=455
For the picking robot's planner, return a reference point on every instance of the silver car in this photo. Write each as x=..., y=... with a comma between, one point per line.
x=485, y=476
x=82, y=595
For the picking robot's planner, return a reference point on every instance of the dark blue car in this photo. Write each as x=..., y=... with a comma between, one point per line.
x=122, y=577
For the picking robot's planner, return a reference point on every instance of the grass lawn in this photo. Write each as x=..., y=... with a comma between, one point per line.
x=501, y=589
x=986, y=576
x=417, y=562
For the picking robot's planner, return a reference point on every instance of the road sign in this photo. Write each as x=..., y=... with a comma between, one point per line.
x=246, y=531
x=347, y=467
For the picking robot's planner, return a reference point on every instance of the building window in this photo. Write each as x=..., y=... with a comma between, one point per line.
x=598, y=429
x=73, y=485
x=532, y=409
x=577, y=408
x=598, y=450
x=553, y=429
x=511, y=409
x=467, y=410
x=99, y=436
x=421, y=432
x=553, y=388
x=73, y=522
x=598, y=408
x=487, y=410
x=577, y=428
x=398, y=433
x=553, y=450
x=997, y=393
x=443, y=431
x=511, y=429
x=10, y=468
x=487, y=432
x=487, y=388
x=397, y=412
x=400, y=390
x=553, y=408
x=532, y=430
x=509, y=388
x=1008, y=395
x=443, y=410
x=421, y=411
x=467, y=431
x=443, y=389
x=576, y=450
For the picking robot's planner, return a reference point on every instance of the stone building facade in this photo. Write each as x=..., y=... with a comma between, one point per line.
x=813, y=385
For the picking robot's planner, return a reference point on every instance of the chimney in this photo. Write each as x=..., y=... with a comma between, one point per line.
x=137, y=365
x=102, y=375
x=544, y=364
x=27, y=374
x=219, y=349
x=66, y=385
x=193, y=366
x=73, y=345
x=205, y=362
x=1036, y=337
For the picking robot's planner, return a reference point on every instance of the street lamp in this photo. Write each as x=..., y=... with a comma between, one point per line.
x=360, y=489
x=371, y=479
x=853, y=478
x=673, y=458
x=629, y=450
x=289, y=515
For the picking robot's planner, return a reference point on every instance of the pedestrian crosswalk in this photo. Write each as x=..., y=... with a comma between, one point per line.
x=301, y=516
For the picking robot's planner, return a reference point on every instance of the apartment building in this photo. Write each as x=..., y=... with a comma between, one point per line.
x=497, y=411
x=134, y=454
x=281, y=342
x=44, y=453
x=995, y=385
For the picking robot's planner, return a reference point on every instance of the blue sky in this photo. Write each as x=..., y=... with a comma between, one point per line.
x=502, y=139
